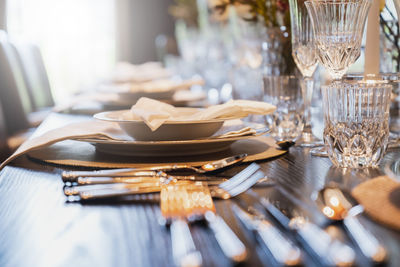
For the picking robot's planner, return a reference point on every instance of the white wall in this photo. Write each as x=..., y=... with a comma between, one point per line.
x=2, y=14
x=139, y=22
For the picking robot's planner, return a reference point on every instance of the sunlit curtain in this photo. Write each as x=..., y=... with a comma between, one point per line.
x=77, y=39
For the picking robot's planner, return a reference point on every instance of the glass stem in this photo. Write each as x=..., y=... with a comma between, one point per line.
x=307, y=87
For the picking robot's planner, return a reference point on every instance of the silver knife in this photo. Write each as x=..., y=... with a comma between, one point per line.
x=283, y=250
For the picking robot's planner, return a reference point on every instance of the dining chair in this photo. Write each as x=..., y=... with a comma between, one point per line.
x=4, y=148
x=14, y=95
x=35, y=75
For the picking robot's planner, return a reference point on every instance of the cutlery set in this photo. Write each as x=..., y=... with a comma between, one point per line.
x=180, y=204
x=188, y=198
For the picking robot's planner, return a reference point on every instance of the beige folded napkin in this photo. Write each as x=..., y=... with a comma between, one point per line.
x=93, y=129
x=126, y=72
x=86, y=99
x=154, y=113
x=164, y=85
x=380, y=198
x=79, y=130
x=153, y=86
x=188, y=96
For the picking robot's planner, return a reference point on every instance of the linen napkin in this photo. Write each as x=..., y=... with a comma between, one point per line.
x=380, y=198
x=93, y=129
x=153, y=86
x=127, y=72
x=154, y=113
x=80, y=130
x=164, y=85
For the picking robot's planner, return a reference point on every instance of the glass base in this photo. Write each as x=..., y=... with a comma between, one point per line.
x=394, y=140
x=309, y=140
x=319, y=152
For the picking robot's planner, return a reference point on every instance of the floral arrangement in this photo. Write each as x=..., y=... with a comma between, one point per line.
x=273, y=14
x=390, y=28
x=185, y=10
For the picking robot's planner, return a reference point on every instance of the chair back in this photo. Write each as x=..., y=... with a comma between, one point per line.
x=14, y=96
x=35, y=75
x=4, y=149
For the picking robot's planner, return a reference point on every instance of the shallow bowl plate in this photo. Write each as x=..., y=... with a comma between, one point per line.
x=169, y=131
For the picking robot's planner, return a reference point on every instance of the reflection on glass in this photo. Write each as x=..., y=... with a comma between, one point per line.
x=304, y=54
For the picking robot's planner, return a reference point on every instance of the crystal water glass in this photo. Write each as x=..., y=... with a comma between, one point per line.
x=356, y=116
x=287, y=122
x=338, y=28
x=305, y=57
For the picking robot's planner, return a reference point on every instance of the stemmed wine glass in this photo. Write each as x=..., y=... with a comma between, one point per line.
x=304, y=55
x=338, y=28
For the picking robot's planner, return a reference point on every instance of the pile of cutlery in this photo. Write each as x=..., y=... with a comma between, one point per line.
x=287, y=237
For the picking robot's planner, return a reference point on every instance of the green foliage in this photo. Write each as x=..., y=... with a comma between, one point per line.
x=185, y=10
x=391, y=30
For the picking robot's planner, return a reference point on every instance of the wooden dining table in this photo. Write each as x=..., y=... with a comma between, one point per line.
x=39, y=227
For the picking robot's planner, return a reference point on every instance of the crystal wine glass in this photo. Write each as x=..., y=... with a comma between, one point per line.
x=304, y=55
x=338, y=27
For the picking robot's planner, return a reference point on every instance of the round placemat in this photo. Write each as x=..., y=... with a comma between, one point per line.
x=82, y=154
x=381, y=200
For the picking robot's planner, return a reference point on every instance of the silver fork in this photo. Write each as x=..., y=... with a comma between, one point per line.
x=202, y=206
x=174, y=207
x=225, y=190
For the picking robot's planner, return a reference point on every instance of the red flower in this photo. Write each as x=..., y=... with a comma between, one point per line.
x=282, y=5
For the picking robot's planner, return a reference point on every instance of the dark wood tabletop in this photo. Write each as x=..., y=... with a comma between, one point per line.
x=39, y=228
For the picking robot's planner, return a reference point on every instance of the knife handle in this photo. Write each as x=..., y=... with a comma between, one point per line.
x=366, y=241
x=183, y=247
x=230, y=244
x=283, y=250
x=331, y=251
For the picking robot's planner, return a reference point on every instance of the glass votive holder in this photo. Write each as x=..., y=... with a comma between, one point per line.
x=356, y=117
x=287, y=122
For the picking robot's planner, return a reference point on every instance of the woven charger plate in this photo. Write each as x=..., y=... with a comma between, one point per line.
x=82, y=154
x=381, y=200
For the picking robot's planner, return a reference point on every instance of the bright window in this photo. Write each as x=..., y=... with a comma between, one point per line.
x=77, y=39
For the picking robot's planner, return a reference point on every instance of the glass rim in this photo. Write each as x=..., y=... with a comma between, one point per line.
x=386, y=76
x=336, y=1
x=361, y=84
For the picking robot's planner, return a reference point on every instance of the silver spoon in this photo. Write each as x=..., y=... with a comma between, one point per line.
x=72, y=176
x=339, y=205
x=286, y=144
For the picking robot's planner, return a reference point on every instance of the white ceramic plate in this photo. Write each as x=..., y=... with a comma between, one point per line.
x=163, y=148
x=169, y=131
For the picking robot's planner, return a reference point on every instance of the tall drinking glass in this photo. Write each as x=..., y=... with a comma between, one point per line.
x=304, y=54
x=338, y=27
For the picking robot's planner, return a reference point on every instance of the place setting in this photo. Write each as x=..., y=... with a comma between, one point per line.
x=260, y=133
x=128, y=83
x=154, y=132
